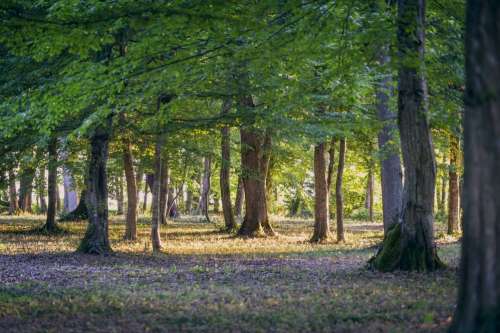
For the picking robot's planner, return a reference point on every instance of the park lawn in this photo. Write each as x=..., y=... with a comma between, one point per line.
x=208, y=281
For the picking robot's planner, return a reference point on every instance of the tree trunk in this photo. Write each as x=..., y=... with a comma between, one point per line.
x=50, y=224
x=453, y=187
x=172, y=211
x=369, y=193
x=410, y=244
x=80, y=212
x=96, y=239
x=240, y=195
x=331, y=164
x=442, y=200
x=225, y=177
x=70, y=195
x=205, y=187
x=390, y=164
x=156, y=193
x=164, y=191
x=139, y=176
x=25, y=189
x=13, y=207
x=189, y=202
x=339, y=197
x=58, y=198
x=119, y=195
x=255, y=153
x=478, y=307
x=321, y=195
x=41, y=191
x=131, y=218
x=147, y=184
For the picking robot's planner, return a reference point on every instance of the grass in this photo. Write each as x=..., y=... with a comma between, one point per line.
x=208, y=281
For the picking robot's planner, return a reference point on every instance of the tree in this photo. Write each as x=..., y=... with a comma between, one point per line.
x=321, y=195
x=339, y=198
x=131, y=218
x=453, y=187
x=478, y=307
x=50, y=224
x=156, y=200
x=227, y=207
x=409, y=245
x=205, y=186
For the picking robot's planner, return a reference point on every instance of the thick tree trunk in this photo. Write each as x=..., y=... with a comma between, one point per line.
x=156, y=193
x=13, y=207
x=453, y=187
x=131, y=218
x=255, y=154
x=478, y=307
x=321, y=195
x=205, y=187
x=70, y=195
x=240, y=195
x=410, y=244
x=25, y=189
x=80, y=212
x=339, y=197
x=96, y=239
x=390, y=164
x=50, y=224
x=225, y=177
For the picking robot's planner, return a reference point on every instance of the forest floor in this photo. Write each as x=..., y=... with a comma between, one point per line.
x=208, y=281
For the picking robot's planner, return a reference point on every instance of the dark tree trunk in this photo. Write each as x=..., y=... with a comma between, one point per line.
x=172, y=210
x=409, y=245
x=205, y=187
x=453, y=187
x=369, y=193
x=156, y=194
x=339, y=197
x=13, y=207
x=131, y=218
x=255, y=154
x=225, y=177
x=50, y=224
x=164, y=191
x=331, y=164
x=25, y=189
x=58, y=199
x=321, y=195
x=96, y=239
x=80, y=212
x=478, y=307
x=240, y=195
x=390, y=164
x=145, y=200
x=119, y=195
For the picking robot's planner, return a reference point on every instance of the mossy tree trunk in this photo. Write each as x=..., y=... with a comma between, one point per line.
x=321, y=196
x=225, y=176
x=96, y=239
x=409, y=245
x=131, y=218
x=50, y=223
x=339, y=196
x=255, y=154
x=478, y=307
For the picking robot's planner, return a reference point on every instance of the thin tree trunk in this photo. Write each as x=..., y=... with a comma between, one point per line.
x=225, y=177
x=41, y=191
x=442, y=200
x=146, y=186
x=131, y=218
x=331, y=164
x=189, y=201
x=339, y=197
x=205, y=187
x=369, y=193
x=409, y=245
x=478, y=307
x=25, y=189
x=164, y=191
x=13, y=207
x=156, y=193
x=50, y=224
x=240, y=194
x=453, y=187
x=58, y=198
x=321, y=195
x=390, y=164
x=96, y=239
x=139, y=177
x=119, y=195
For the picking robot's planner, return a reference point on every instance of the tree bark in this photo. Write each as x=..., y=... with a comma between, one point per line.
x=369, y=193
x=139, y=177
x=205, y=187
x=119, y=195
x=390, y=163
x=225, y=177
x=131, y=218
x=442, y=199
x=164, y=191
x=409, y=245
x=156, y=193
x=70, y=195
x=41, y=190
x=453, y=187
x=25, y=189
x=321, y=196
x=240, y=195
x=331, y=164
x=478, y=307
x=255, y=154
x=189, y=201
x=50, y=224
x=339, y=197
x=13, y=207
x=96, y=239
